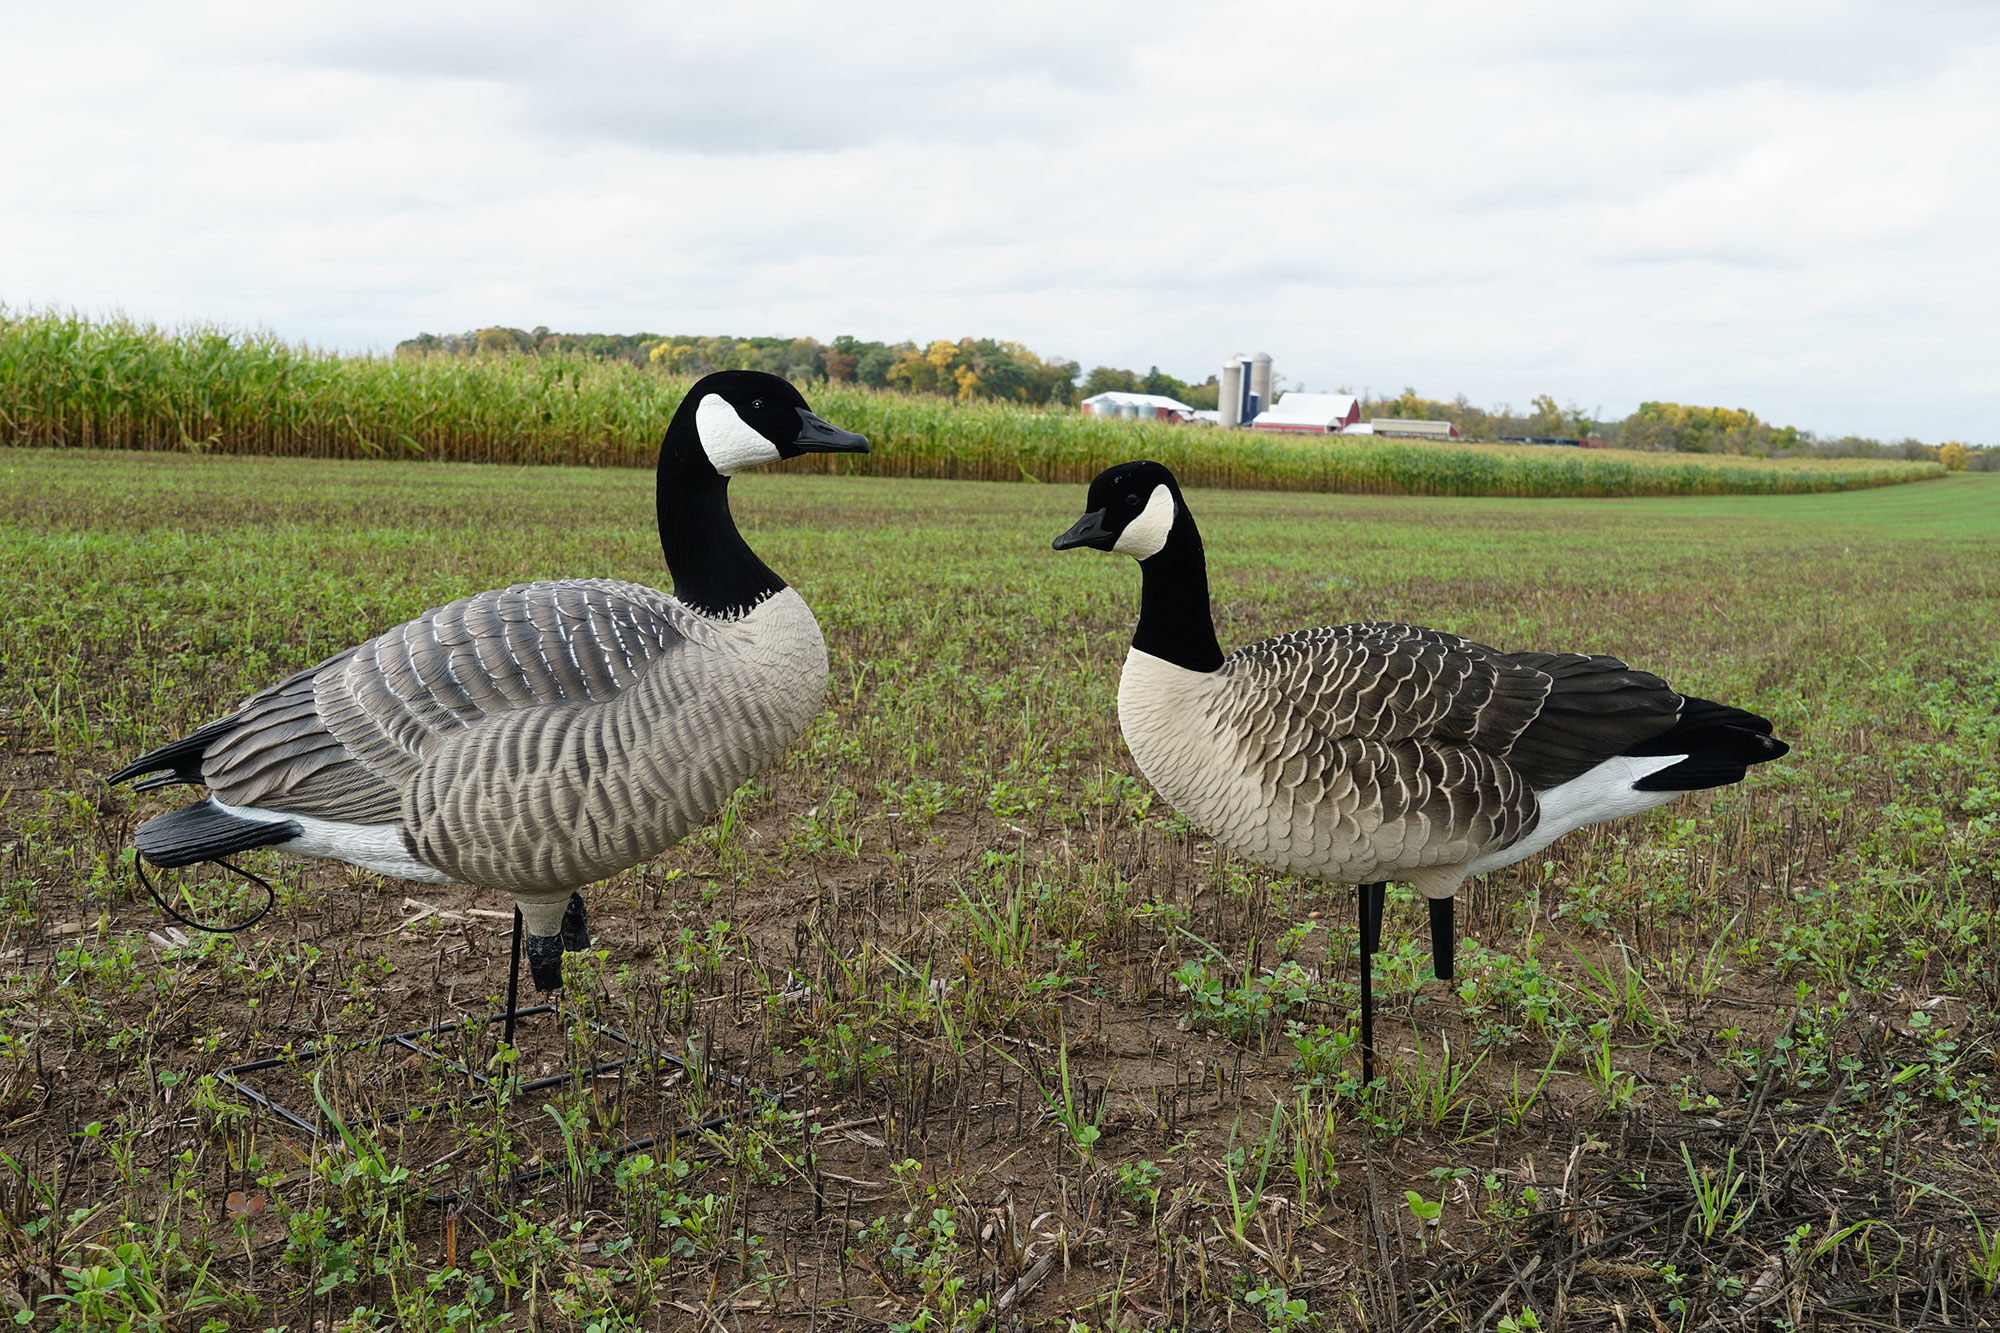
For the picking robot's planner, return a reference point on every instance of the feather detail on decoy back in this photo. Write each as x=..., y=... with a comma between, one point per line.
x=1363, y=754
x=538, y=738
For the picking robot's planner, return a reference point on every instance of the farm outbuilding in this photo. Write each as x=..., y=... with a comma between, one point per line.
x=1310, y=413
x=1137, y=406
x=1407, y=428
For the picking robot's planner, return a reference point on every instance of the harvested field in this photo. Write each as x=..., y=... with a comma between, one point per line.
x=1036, y=1049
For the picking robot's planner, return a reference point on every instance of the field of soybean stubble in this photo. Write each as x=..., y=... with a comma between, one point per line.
x=1036, y=1049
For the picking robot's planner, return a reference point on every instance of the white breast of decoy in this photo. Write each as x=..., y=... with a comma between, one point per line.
x=1173, y=724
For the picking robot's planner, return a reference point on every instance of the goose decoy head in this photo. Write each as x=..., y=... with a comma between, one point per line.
x=1131, y=509
x=746, y=418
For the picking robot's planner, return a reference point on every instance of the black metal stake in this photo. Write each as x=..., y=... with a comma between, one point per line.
x=513, y=984
x=485, y=1088
x=1441, y=937
x=1371, y=940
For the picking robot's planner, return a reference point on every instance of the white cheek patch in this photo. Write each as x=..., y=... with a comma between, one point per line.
x=1145, y=535
x=730, y=442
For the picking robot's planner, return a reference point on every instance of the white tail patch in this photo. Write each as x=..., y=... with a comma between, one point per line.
x=376, y=847
x=1605, y=792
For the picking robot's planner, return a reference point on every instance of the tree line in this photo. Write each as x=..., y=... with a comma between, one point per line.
x=1672, y=427
x=1110, y=379
x=989, y=369
x=967, y=370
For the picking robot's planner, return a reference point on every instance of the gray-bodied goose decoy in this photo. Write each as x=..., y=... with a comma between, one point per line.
x=1360, y=754
x=542, y=737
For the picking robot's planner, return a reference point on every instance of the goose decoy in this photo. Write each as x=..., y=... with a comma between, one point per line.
x=542, y=737
x=1361, y=754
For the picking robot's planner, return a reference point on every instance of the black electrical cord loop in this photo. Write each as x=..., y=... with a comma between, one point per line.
x=270, y=898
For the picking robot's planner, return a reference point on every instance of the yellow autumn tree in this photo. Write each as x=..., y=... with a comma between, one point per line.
x=912, y=370
x=1954, y=455
x=1548, y=418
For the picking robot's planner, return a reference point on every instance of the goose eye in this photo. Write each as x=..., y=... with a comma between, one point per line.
x=1132, y=500
x=756, y=404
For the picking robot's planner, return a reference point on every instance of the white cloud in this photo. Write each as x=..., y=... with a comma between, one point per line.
x=1785, y=207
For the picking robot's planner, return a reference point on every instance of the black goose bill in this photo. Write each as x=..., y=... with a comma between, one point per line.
x=1091, y=530
x=819, y=436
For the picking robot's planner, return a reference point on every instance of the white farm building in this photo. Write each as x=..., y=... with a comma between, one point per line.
x=1138, y=406
x=1310, y=413
x=1408, y=428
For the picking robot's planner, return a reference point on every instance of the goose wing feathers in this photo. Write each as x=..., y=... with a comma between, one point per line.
x=341, y=740
x=1387, y=682
x=1380, y=745
x=1411, y=747
x=1552, y=716
x=1596, y=707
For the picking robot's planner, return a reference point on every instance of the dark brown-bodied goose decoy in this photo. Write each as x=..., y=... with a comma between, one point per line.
x=1360, y=754
x=541, y=737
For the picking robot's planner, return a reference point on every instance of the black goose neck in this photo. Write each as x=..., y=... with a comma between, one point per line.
x=1175, y=624
x=715, y=572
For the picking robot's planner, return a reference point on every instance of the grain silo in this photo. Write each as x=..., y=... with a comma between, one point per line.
x=1260, y=386
x=1245, y=389
x=1229, y=395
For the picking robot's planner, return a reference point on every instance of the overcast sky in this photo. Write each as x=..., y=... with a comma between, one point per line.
x=1793, y=208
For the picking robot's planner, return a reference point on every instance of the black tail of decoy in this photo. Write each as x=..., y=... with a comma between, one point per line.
x=201, y=832
x=1720, y=742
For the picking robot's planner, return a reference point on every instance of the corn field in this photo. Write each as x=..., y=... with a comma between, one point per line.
x=69, y=382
